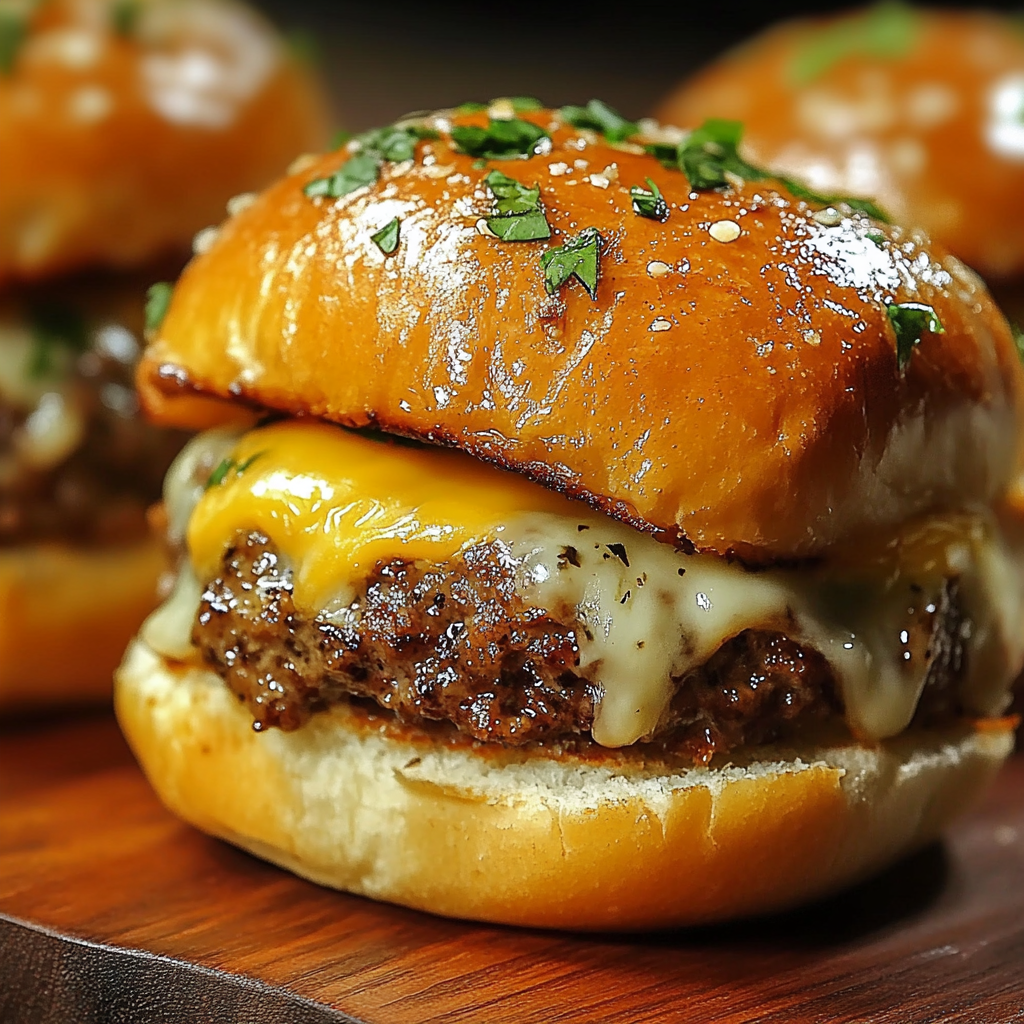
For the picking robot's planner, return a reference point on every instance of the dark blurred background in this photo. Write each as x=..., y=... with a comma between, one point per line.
x=382, y=60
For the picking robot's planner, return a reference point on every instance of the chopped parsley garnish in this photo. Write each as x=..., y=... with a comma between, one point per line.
x=579, y=258
x=124, y=16
x=649, y=204
x=599, y=117
x=13, y=29
x=877, y=237
x=520, y=104
x=388, y=237
x=710, y=153
x=390, y=144
x=55, y=327
x=867, y=206
x=1018, y=339
x=225, y=466
x=885, y=31
x=359, y=170
x=341, y=136
x=909, y=321
x=509, y=139
x=304, y=47
x=158, y=298
x=517, y=216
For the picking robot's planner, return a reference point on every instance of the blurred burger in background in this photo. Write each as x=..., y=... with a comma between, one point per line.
x=125, y=127
x=921, y=110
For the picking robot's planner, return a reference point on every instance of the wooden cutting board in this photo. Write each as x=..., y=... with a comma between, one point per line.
x=112, y=910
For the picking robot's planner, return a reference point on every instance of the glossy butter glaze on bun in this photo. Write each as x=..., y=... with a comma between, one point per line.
x=750, y=326
x=919, y=109
x=125, y=127
x=615, y=499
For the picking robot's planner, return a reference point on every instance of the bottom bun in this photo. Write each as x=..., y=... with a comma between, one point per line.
x=66, y=615
x=606, y=840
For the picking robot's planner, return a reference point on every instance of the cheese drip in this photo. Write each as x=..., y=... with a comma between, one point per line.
x=334, y=504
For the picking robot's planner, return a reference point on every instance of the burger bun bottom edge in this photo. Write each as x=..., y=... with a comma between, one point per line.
x=66, y=616
x=610, y=841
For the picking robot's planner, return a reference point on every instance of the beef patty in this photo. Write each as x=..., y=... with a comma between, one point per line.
x=97, y=492
x=461, y=643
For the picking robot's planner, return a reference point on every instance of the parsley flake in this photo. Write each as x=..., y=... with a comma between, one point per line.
x=867, y=206
x=1018, y=339
x=877, y=237
x=710, y=153
x=471, y=107
x=599, y=117
x=524, y=104
x=909, y=322
x=13, y=29
x=388, y=237
x=226, y=466
x=55, y=327
x=158, y=298
x=579, y=258
x=124, y=16
x=509, y=139
x=885, y=31
x=358, y=171
x=390, y=144
x=303, y=47
x=649, y=204
x=517, y=215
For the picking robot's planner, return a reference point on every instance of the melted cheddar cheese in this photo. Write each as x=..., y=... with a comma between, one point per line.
x=336, y=503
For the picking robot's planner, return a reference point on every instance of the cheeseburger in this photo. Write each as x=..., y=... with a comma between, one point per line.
x=125, y=126
x=617, y=539
x=919, y=109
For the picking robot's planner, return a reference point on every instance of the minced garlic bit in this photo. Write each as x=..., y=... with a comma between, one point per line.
x=484, y=229
x=301, y=163
x=724, y=231
x=660, y=324
x=236, y=204
x=90, y=104
x=812, y=338
x=658, y=269
x=203, y=240
x=557, y=170
x=598, y=181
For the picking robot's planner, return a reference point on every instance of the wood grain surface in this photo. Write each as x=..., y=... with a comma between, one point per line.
x=113, y=910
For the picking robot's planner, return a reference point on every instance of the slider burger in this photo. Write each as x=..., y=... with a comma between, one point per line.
x=125, y=126
x=919, y=109
x=621, y=543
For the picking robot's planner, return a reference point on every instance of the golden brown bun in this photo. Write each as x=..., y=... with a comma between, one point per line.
x=743, y=394
x=66, y=615
x=359, y=805
x=932, y=130
x=111, y=157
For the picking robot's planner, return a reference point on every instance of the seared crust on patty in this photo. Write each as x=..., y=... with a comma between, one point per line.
x=462, y=643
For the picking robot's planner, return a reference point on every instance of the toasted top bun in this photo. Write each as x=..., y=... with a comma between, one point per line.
x=124, y=127
x=734, y=383
x=919, y=109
